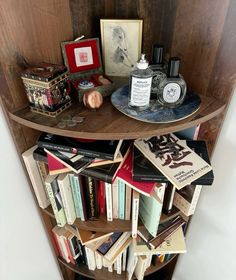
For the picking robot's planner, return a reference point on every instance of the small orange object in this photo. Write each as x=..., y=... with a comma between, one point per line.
x=92, y=99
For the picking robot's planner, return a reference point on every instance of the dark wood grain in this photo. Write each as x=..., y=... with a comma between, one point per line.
x=109, y=123
x=103, y=274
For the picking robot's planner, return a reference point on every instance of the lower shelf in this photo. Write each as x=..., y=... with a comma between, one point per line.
x=104, y=274
x=102, y=225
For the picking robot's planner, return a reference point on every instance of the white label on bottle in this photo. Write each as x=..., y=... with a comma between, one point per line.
x=171, y=93
x=140, y=91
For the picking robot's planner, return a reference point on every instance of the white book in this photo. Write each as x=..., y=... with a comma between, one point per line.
x=148, y=262
x=35, y=178
x=186, y=199
x=61, y=241
x=108, y=192
x=55, y=199
x=135, y=210
x=115, y=198
x=90, y=258
x=124, y=259
x=67, y=197
x=140, y=267
x=132, y=261
x=128, y=200
x=110, y=268
x=119, y=264
x=98, y=258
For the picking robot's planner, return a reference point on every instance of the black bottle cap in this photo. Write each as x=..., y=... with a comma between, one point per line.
x=173, y=67
x=157, y=54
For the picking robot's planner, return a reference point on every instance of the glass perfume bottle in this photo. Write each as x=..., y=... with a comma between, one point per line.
x=157, y=66
x=140, y=85
x=172, y=90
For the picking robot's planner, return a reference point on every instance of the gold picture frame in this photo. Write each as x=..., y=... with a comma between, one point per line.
x=121, y=45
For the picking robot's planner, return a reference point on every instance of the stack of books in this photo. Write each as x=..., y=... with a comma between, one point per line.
x=136, y=181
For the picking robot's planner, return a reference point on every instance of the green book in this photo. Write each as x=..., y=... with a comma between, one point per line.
x=54, y=195
x=150, y=209
x=75, y=195
x=121, y=200
x=79, y=197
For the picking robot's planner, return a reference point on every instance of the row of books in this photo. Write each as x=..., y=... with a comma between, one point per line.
x=114, y=251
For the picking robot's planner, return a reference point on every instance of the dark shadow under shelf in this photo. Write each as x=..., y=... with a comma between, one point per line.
x=104, y=274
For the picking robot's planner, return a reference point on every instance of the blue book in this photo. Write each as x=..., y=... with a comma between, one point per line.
x=77, y=186
x=121, y=200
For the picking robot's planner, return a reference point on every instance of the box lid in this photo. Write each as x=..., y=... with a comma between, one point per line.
x=44, y=71
x=82, y=56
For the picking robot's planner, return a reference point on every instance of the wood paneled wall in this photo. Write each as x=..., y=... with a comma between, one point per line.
x=201, y=32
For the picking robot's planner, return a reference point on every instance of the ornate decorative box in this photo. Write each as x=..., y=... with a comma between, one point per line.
x=48, y=88
x=83, y=60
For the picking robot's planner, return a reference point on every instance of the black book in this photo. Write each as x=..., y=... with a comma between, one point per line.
x=144, y=170
x=40, y=155
x=105, y=173
x=90, y=188
x=104, y=149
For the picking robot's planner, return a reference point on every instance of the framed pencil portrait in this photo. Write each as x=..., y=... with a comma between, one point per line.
x=121, y=45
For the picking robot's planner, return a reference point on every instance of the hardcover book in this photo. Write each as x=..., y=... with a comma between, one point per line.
x=186, y=199
x=104, y=149
x=174, y=159
x=86, y=237
x=125, y=174
x=144, y=170
x=140, y=267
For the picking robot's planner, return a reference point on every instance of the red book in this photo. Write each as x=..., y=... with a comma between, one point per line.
x=102, y=202
x=68, y=250
x=125, y=174
x=55, y=166
x=54, y=235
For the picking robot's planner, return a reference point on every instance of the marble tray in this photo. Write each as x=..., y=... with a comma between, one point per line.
x=155, y=113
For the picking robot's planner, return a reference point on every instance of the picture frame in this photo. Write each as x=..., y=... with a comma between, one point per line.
x=121, y=45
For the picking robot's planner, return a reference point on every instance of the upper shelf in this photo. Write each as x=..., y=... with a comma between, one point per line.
x=109, y=123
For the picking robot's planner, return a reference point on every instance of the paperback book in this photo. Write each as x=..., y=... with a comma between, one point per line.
x=174, y=159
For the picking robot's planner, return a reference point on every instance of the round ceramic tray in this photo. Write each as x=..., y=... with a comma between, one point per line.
x=155, y=113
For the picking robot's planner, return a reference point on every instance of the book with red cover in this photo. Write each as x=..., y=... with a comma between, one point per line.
x=125, y=175
x=102, y=201
x=55, y=166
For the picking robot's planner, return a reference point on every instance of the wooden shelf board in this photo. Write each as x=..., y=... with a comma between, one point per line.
x=102, y=225
x=109, y=123
x=104, y=274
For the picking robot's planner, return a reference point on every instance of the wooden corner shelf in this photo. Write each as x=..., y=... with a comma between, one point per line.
x=104, y=274
x=109, y=123
x=102, y=225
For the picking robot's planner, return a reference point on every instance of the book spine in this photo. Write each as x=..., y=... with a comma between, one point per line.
x=124, y=259
x=135, y=210
x=67, y=199
x=40, y=155
x=102, y=201
x=95, y=174
x=90, y=258
x=91, y=197
x=75, y=195
x=121, y=186
x=108, y=190
x=119, y=264
x=68, y=250
x=37, y=183
x=115, y=200
x=168, y=198
x=63, y=249
x=56, y=241
x=56, y=206
x=128, y=199
x=43, y=170
x=78, y=187
x=195, y=198
x=98, y=258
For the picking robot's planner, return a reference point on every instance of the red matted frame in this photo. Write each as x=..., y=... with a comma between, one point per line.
x=81, y=56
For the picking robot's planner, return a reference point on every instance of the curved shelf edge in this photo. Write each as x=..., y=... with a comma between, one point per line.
x=102, y=225
x=104, y=274
x=109, y=123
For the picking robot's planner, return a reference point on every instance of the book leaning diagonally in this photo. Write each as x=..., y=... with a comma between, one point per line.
x=176, y=161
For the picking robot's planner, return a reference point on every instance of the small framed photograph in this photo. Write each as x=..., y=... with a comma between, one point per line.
x=121, y=45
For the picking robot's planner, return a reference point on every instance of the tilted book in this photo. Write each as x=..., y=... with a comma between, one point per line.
x=140, y=267
x=125, y=174
x=104, y=149
x=186, y=199
x=35, y=178
x=150, y=210
x=174, y=159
